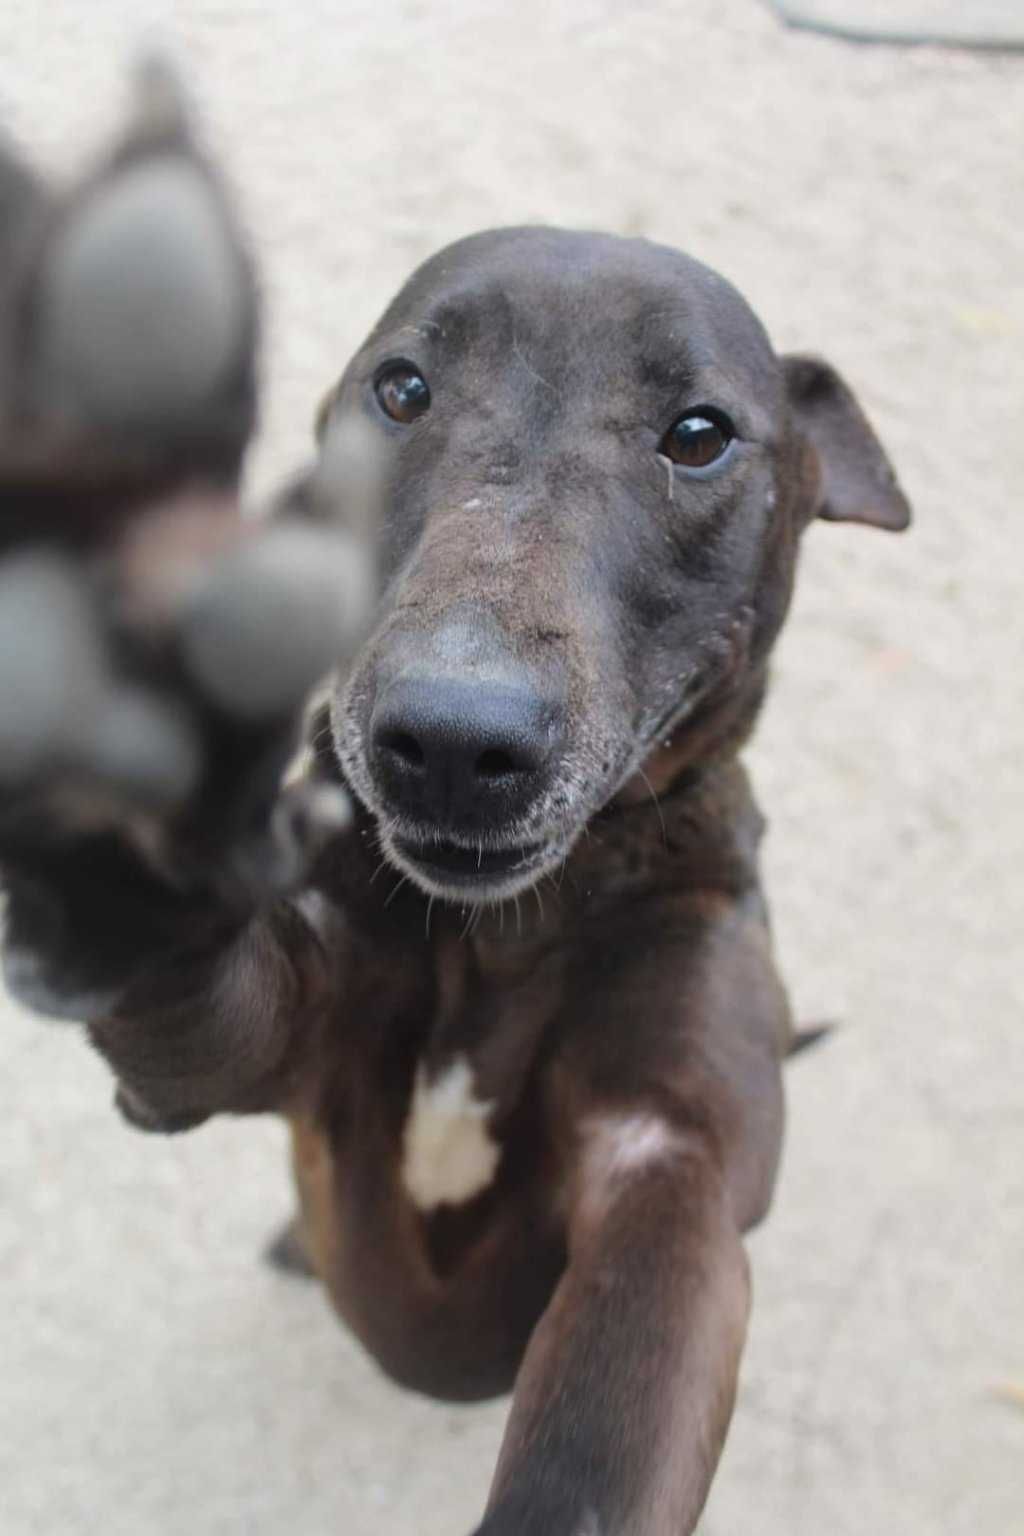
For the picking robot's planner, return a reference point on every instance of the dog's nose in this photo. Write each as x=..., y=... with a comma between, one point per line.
x=462, y=754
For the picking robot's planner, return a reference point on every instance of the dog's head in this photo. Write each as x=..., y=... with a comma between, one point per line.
x=598, y=472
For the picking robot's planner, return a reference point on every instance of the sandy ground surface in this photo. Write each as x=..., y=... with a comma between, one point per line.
x=156, y=1378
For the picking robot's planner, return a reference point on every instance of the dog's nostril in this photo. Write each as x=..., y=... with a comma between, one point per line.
x=494, y=764
x=404, y=746
x=459, y=752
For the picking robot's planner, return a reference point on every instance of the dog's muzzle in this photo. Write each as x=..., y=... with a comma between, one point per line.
x=459, y=764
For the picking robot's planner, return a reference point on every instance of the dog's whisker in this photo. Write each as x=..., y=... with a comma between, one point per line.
x=657, y=805
x=403, y=881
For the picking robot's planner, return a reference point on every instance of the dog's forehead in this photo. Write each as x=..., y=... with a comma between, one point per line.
x=652, y=298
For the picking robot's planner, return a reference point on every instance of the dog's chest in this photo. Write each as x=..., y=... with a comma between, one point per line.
x=450, y=1151
x=436, y=1176
x=475, y=1066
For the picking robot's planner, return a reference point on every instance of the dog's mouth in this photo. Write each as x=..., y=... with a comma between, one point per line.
x=446, y=867
x=500, y=864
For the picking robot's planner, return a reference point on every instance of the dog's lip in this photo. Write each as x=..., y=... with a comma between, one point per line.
x=466, y=864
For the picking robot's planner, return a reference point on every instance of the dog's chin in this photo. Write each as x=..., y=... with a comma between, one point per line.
x=470, y=875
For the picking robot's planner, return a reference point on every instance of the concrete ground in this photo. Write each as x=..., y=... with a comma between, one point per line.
x=156, y=1378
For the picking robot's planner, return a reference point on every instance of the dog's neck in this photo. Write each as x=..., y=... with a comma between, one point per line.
x=686, y=850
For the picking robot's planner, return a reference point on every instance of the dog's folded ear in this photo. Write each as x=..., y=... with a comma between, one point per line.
x=856, y=483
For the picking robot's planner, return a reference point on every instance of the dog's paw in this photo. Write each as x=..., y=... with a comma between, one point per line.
x=157, y=645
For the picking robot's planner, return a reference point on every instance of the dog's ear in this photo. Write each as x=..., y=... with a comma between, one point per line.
x=856, y=483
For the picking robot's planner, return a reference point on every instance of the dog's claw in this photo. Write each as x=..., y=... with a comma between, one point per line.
x=160, y=100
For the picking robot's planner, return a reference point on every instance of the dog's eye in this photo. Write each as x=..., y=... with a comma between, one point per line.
x=698, y=439
x=403, y=393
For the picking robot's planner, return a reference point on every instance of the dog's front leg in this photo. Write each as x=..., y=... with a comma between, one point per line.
x=625, y=1394
x=673, y=1115
x=156, y=645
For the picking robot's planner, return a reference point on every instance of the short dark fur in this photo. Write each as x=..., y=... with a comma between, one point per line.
x=614, y=995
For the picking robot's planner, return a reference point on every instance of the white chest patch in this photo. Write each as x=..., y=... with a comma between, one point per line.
x=448, y=1154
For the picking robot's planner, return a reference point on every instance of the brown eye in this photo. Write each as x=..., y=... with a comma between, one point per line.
x=403, y=393
x=697, y=440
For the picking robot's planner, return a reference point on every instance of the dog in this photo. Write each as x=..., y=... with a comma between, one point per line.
x=519, y=1006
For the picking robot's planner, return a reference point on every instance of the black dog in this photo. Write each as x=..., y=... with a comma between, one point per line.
x=522, y=1014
